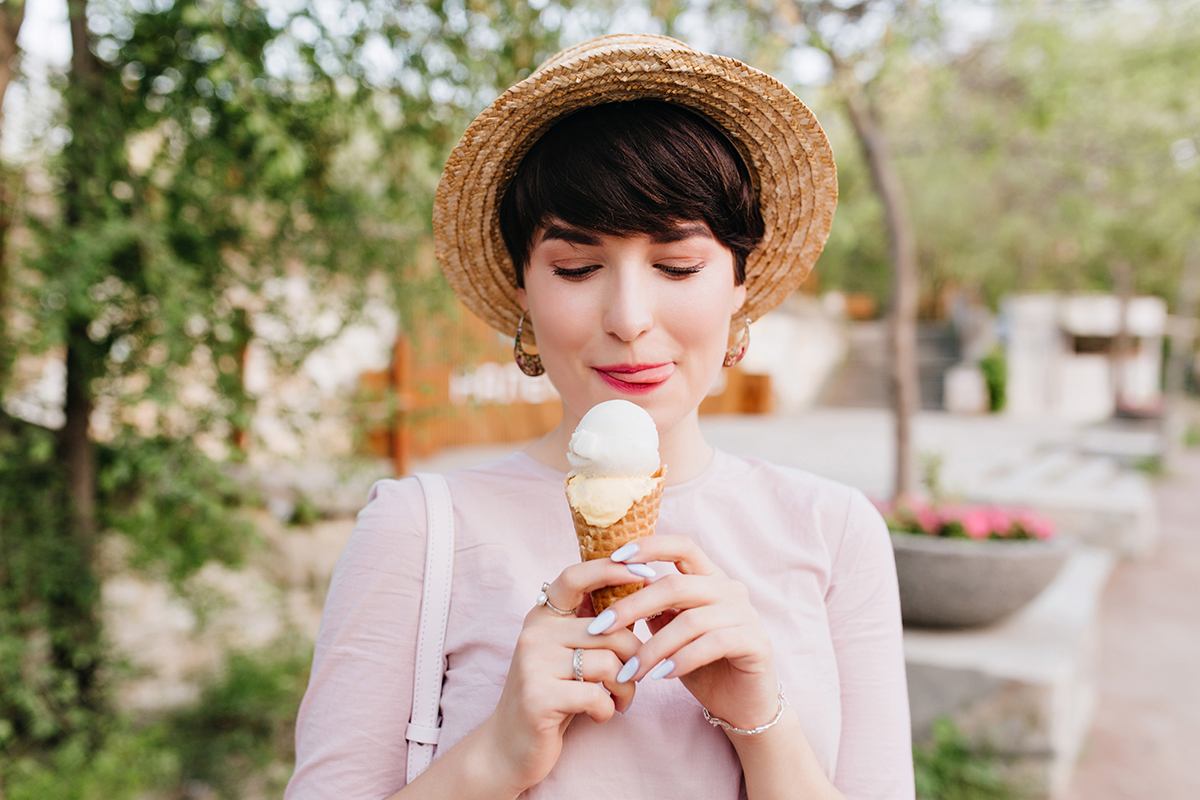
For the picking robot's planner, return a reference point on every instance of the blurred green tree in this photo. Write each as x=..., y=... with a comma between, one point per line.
x=216, y=151
x=1055, y=148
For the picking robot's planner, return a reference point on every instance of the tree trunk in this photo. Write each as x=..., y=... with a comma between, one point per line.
x=75, y=446
x=12, y=14
x=902, y=249
x=1122, y=350
x=1183, y=339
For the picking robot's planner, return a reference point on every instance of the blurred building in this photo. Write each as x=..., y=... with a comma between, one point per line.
x=1082, y=358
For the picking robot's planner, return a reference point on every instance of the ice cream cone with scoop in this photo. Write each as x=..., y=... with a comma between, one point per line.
x=615, y=484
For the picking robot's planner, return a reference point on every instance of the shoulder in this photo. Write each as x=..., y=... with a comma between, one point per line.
x=834, y=502
x=396, y=508
x=841, y=514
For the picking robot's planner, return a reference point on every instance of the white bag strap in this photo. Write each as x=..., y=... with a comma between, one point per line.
x=424, y=725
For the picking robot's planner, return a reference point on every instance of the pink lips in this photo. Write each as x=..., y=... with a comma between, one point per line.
x=635, y=378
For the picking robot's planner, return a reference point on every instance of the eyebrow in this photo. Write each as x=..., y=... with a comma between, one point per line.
x=567, y=233
x=573, y=235
x=681, y=232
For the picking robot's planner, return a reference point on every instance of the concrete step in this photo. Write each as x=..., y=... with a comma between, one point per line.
x=862, y=380
x=1090, y=497
x=1023, y=690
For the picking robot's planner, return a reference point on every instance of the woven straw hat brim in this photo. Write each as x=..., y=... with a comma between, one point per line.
x=789, y=158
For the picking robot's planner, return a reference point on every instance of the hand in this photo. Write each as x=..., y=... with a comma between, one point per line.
x=708, y=636
x=541, y=695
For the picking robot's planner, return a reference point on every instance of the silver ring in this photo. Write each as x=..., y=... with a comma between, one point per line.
x=578, y=663
x=543, y=600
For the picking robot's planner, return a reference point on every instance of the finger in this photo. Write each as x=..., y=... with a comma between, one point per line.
x=621, y=641
x=736, y=645
x=582, y=697
x=602, y=666
x=688, y=627
x=544, y=640
x=678, y=592
x=712, y=646
x=579, y=580
x=660, y=619
x=681, y=550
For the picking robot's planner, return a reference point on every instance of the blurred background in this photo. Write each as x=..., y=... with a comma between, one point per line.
x=221, y=321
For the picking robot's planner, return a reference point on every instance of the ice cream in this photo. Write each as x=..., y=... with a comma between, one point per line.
x=615, y=484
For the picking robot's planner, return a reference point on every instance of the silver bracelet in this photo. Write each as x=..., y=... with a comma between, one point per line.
x=717, y=722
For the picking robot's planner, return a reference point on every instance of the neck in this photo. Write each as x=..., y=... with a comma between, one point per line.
x=682, y=448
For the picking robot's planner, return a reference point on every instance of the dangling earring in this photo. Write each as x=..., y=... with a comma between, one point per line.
x=530, y=363
x=734, y=354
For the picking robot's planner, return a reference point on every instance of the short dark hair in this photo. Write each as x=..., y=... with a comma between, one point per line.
x=629, y=168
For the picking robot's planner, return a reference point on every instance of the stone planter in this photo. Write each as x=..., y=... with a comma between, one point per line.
x=963, y=583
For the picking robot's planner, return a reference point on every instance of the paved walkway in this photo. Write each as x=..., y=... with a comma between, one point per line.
x=1145, y=740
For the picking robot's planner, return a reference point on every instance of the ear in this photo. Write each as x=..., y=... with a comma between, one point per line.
x=524, y=303
x=739, y=298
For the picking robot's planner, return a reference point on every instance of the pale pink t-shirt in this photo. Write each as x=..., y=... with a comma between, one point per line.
x=814, y=554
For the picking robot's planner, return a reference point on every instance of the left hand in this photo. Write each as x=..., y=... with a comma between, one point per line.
x=708, y=629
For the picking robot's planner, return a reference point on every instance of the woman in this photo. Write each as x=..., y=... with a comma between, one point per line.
x=629, y=207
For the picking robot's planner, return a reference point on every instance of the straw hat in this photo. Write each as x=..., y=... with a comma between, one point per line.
x=789, y=158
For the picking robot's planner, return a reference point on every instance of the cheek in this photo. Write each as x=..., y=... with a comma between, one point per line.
x=559, y=320
x=702, y=321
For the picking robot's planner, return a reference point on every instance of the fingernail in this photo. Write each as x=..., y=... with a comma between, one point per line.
x=641, y=570
x=662, y=670
x=624, y=551
x=628, y=706
x=627, y=671
x=603, y=622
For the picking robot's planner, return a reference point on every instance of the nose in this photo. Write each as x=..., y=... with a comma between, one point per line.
x=629, y=311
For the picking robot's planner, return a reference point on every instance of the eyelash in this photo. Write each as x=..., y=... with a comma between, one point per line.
x=582, y=272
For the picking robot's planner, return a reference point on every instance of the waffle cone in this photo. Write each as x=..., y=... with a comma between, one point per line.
x=602, y=542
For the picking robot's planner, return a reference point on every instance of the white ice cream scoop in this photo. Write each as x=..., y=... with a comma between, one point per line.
x=614, y=439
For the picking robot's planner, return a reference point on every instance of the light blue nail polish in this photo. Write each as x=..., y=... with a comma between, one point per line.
x=641, y=570
x=662, y=670
x=625, y=551
x=603, y=622
x=627, y=671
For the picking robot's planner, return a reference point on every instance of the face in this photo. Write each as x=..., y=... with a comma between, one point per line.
x=640, y=318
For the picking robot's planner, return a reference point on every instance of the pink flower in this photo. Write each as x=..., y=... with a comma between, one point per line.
x=999, y=521
x=929, y=520
x=975, y=523
x=1038, y=526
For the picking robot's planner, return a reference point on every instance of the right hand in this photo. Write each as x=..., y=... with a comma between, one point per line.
x=541, y=695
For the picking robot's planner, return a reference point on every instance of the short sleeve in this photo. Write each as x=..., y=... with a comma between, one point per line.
x=350, y=729
x=875, y=750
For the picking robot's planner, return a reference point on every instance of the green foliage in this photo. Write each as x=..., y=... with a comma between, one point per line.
x=174, y=505
x=1057, y=143
x=48, y=652
x=949, y=770
x=240, y=732
x=1022, y=177
x=219, y=155
x=995, y=373
x=930, y=464
x=130, y=763
x=305, y=512
x=1151, y=465
x=1191, y=438
x=245, y=722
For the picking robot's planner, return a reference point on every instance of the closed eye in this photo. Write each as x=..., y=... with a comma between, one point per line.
x=678, y=272
x=576, y=274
